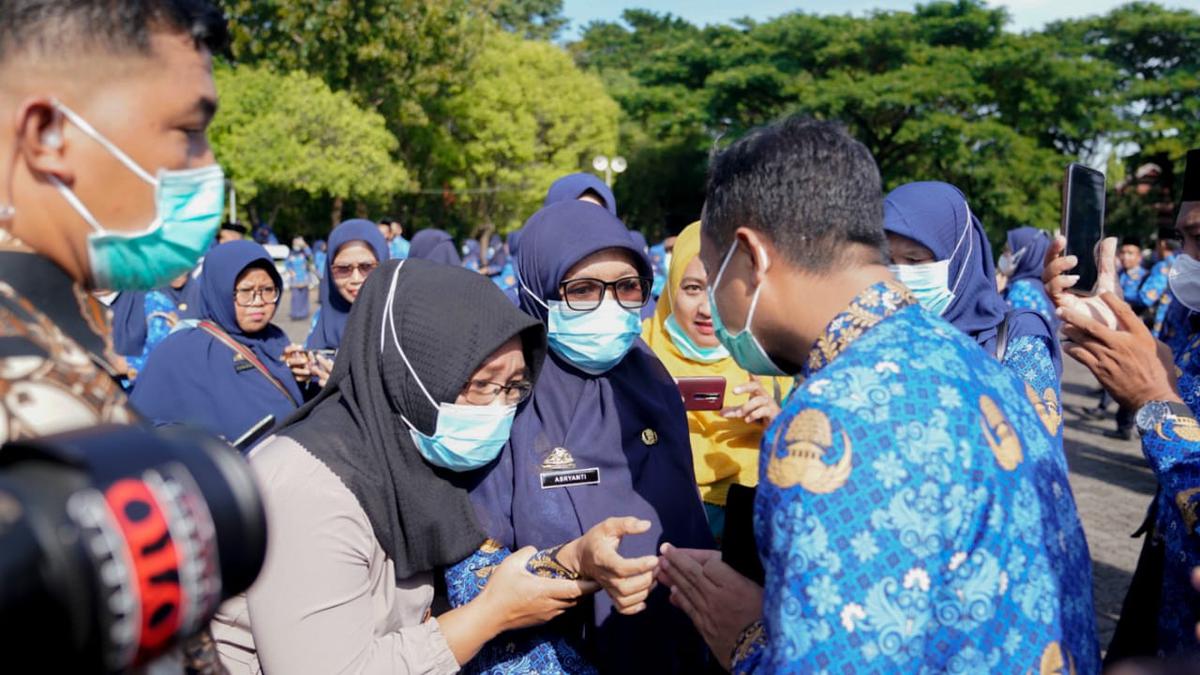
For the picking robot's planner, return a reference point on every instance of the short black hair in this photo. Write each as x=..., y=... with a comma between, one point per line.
x=386, y=220
x=46, y=28
x=1131, y=240
x=807, y=184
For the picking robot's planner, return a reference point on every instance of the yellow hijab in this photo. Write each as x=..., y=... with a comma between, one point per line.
x=724, y=451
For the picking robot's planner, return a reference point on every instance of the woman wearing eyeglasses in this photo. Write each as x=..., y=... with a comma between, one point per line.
x=355, y=249
x=604, y=434
x=224, y=371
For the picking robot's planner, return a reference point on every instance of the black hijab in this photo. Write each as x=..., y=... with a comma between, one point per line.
x=448, y=320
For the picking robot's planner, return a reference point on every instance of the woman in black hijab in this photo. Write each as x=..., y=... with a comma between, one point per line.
x=359, y=496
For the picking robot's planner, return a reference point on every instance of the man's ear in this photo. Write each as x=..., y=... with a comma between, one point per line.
x=761, y=249
x=40, y=138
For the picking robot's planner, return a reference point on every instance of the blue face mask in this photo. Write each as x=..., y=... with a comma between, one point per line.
x=927, y=283
x=743, y=347
x=930, y=282
x=465, y=437
x=188, y=209
x=592, y=341
x=688, y=347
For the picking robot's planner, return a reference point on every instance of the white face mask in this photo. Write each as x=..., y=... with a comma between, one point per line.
x=1184, y=280
x=1009, y=261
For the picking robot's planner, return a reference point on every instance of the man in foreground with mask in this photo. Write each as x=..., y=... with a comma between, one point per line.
x=107, y=182
x=904, y=517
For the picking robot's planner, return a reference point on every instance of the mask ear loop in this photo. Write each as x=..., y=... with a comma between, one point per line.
x=970, y=247
x=389, y=319
x=88, y=129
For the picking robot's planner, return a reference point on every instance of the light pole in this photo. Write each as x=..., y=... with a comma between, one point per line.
x=609, y=167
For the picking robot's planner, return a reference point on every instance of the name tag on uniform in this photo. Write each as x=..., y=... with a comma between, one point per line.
x=570, y=477
x=241, y=365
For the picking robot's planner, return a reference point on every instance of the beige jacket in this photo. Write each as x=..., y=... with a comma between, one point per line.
x=326, y=600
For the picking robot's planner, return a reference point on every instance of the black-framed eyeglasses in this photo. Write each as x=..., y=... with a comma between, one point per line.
x=482, y=392
x=245, y=296
x=584, y=295
x=345, y=271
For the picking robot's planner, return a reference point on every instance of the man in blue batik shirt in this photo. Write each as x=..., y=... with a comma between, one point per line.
x=912, y=514
x=1140, y=376
x=1159, y=612
x=1131, y=274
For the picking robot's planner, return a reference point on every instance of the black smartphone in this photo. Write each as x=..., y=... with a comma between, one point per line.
x=254, y=433
x=1191, y=177
x=1083, y=221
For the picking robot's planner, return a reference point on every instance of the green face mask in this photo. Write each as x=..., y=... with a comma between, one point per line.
x=688, y=347
x=188, y=209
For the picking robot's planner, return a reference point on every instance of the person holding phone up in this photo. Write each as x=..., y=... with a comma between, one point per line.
x=356, y=248
x=724, y=441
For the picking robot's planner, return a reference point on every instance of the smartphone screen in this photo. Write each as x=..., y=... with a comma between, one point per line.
x=1083, y=221
x=1191, y=177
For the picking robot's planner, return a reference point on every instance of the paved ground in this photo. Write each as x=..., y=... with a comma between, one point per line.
x=1112, y=487
x=1111, y=483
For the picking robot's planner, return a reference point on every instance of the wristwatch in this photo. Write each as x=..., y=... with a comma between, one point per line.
x=1155, y=413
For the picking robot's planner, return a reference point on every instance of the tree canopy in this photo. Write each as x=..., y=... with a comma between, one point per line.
x=483, y=111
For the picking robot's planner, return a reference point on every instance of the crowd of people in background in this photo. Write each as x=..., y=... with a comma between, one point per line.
x=483, y=458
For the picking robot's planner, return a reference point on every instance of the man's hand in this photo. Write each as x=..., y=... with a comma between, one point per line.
x=594, y=556
x=1058, y=284
x=719, y=601
x=1133, y=366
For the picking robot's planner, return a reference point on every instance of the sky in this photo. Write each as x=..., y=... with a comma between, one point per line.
x=1026, y=14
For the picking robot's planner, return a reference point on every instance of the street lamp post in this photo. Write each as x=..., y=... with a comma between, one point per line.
x=609, y=167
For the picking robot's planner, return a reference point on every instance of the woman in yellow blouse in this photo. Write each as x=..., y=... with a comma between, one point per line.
x=724, y=443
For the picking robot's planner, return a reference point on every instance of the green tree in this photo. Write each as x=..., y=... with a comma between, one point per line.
x=526, y=116
x=288, y=140
x=533, y=19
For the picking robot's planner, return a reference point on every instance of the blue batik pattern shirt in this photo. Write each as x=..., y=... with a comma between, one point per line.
x=913, y=512
x=1156, y=293
x=532, y=650
x=1131, y=284
x=1029, y=294
x=161, y=316
x=1172, y=448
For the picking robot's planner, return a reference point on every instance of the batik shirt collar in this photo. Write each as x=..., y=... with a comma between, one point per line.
x=874, y=304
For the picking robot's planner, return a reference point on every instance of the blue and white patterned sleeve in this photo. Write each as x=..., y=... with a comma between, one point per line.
x=1028, y=357
x=524, y=651
x=161, y=317
x=1172, y=448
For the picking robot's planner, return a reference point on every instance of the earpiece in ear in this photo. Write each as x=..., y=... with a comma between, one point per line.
x=52, y=138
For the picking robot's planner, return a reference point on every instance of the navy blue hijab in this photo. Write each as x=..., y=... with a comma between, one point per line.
x=435, y=245
x=193, y=378
x=331, y=321
x=574, y=185
x=1028, y=246
x=937, y=216
x=630, y=423
x=471, y=256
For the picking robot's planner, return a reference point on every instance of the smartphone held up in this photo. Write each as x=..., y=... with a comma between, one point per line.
x=1083, y=221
